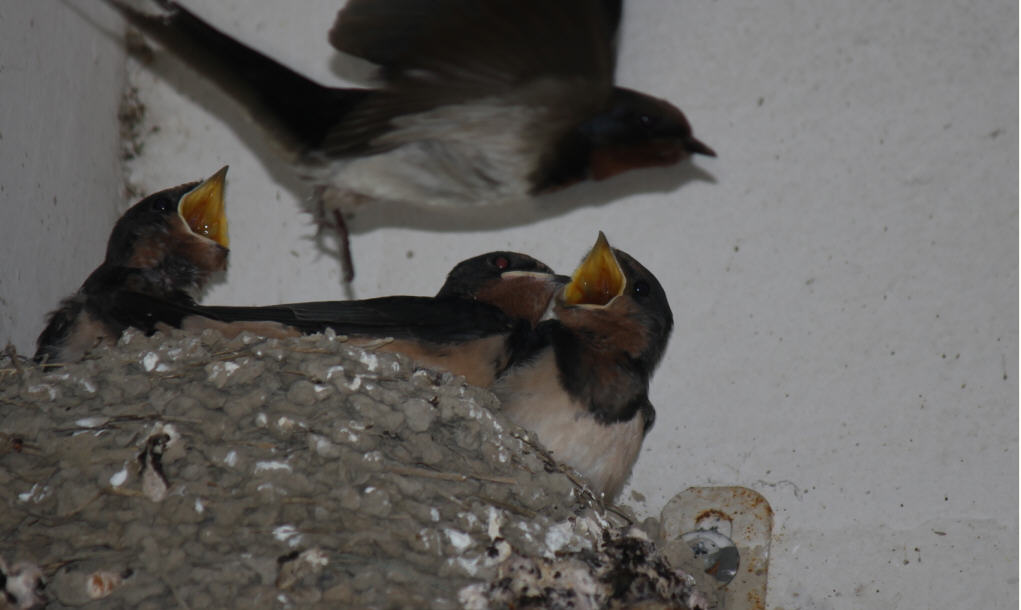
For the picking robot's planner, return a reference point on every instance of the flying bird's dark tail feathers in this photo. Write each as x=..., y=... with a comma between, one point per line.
x=295, y=108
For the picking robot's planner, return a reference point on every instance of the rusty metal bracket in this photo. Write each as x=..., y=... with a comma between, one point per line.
x=722, y=534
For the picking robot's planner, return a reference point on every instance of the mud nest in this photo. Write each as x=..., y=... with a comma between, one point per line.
x=199, y=472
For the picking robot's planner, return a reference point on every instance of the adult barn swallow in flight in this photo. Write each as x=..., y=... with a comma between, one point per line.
x=481, y=102
x=582, y=386
x=485, y=311
x=167, y=245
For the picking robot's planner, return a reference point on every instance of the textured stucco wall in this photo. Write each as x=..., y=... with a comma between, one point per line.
x=844, y=276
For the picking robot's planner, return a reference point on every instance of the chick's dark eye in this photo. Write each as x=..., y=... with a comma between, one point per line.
x=645, y=120
x=163, y=204
x=501, y=262
x=641, y=288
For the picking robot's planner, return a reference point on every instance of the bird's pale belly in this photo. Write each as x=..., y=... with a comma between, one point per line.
x=603, y=453
x=448, y=157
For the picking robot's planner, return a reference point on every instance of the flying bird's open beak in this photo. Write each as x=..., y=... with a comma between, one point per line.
x=598, y=279
x=202, y=208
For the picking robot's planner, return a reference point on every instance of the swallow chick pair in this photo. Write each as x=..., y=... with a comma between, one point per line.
x=480, y=102
x=579, y=380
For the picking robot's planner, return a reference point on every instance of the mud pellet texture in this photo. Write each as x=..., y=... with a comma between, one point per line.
x=194, y=471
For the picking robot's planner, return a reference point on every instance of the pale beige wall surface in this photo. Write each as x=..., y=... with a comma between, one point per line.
x=843, y=276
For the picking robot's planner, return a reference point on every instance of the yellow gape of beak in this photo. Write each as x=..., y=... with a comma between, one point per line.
x=598, y=279
x=202, y=208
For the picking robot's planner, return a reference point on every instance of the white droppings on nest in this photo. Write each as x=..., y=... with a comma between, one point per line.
x=91, y=422
x=231, y=459
x=119, y=478
x=43, y=388
x=470, y=565
x=85, y=383
x=174, y=437
x=261, y=420
x=315, y=556
x=494, y=522
x=634, y=532
x=128, y=337
x=354, y=384
x=498, y=553
x=36, y=494
x=270, y=350
x=469, y=518
x=561, y=536
x=592, y=567
x=271, y=466
x=370, y=360
x=188, y=344
x=149, y=361
x=199, y=507
x=322, y=446
x=473, y=597
x=348, y=434
x=458, y=539
x=219, y=372
x=152, y=361
x=287, y=424
x=288, y=534
x=373, y=456
x=434, y=514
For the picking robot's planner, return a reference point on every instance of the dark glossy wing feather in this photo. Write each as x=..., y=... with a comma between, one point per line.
x=493, y=44
x=419, y=318
x=555, y=57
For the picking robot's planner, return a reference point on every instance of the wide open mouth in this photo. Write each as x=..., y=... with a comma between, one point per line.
x=598, y=279
x=202, y=208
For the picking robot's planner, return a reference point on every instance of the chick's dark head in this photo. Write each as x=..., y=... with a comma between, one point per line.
x=516, y=283
x=617, y=304
x=179, y=234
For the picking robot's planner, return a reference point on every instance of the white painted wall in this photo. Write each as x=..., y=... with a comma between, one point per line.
x=60, y=174
x=844, y=276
